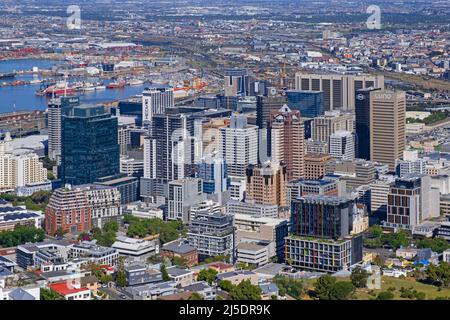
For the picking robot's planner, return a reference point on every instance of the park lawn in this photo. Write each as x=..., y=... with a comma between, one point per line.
x=430, y=291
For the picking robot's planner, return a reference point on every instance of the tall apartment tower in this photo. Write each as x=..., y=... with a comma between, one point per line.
x=54, y=114
x=288, y=141
x=338, y=90
x=68, y=210
x=387, y=118
x=362, y=123
x=155, y=100
x=266, y=183
x=169, y=149
x=90, y=148
x=342, y=145
x=183, y=194
x=239, y=145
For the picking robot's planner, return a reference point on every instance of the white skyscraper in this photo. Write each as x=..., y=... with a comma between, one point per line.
x=18, y=170
x=342, y=145
x=239, y=145
x=155, y=100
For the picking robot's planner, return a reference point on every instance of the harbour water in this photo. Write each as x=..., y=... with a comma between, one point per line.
x=23, y=97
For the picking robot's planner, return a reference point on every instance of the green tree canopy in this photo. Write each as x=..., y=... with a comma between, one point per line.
x=208, y=275
x=245, y=291
x=359, y=277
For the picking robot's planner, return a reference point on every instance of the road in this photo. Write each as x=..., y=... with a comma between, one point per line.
x=115, y=294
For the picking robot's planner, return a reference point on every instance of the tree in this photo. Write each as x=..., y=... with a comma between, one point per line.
x=196, y=296
x=342, y=290
x=439, y=275
x=179, y=261
x=121, y=278
x=324, y=287
x=245, y=291
x=292, y=287
x=225, y=285
x=49, y=294
x=106, y=278
x=385, y=295
x=437, y=244
x=165, y=274
x=208, y=275
x=359, y=277
x=111, y=226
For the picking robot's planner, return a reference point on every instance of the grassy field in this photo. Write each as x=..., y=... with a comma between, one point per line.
x=430, y=291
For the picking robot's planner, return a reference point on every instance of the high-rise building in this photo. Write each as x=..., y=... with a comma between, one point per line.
x=387, y=118
x=315, y=165
x=155, y=100
x=320, y=237
x=312, y=146
x=411, y=163
x=236, y=82
x=309, y=103
x=323, y=127
x=68, y=210
x=362, y=122
x=287, y=141
x=264, y=105
x=54, y=114
x=104, y=203
x=355, y=172
x=183, y=194
x=411, y=200
x=266, y=183
x=239, y=145
x=169, y=149
x=301, y=187
x=338, y=90
x=90, y=148
x=251, y=208
x=342, y=145
x=213, y=235
x=214, y=174
x=19, y=169
x=379, y=190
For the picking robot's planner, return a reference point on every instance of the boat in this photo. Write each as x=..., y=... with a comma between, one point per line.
x=116, y=85
x=89, y=87
x=61, y=88
x=136, y=82
x=98, y=88
x=7, y=75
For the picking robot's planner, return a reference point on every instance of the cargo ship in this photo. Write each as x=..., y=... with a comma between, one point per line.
x=7, y=75
x=116, y=85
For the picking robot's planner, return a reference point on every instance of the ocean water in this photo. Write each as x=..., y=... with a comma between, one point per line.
x=15, y=98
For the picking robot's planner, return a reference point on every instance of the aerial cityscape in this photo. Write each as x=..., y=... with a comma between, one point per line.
x=228, y=150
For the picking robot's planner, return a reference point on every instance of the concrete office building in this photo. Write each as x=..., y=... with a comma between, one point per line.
x=236, y=82
x=251, y=229
x=266, y=183
x=355, y=173
x=315, y=165
x=324, y=126
x=252, y=208
x=155, y=100
x=287, y=141
x=338, y=90
x=379, y=190
x=342, y=145
x=239, y=145
x=387, y=117
x=183, y=194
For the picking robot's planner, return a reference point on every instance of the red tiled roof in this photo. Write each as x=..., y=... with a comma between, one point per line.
x=63, y=289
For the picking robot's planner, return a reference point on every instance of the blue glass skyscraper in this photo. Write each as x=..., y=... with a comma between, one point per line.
x=309, y=103
x=89, y=145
